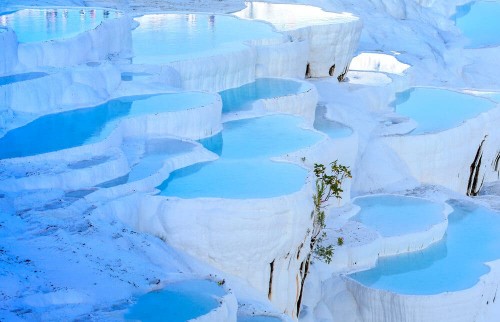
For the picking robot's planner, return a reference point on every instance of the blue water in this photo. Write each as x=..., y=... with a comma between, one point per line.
x=239, y=98
x=235, y=179
x=438, y=109
x=6, y=80
x=162, y=38
x=267, y=136
x=70, y=129
x=479, y=22
x=177, y=302
x=244, y=169
x=453, y=264
x=333, y=129
x=398, y=215
x=34, y=25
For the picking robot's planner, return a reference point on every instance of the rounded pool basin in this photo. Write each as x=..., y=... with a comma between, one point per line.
x=157, y=39
x=479, y=22
x=436, y=109
x=177, y=302
x=74, y=128
x=35, y=25
x=239, y=98
x=453, y=264
x=392, y=215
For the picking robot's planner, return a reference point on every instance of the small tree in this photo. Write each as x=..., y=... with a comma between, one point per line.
x=328, y=184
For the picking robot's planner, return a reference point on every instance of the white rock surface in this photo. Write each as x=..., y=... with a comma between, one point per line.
x=112, y=38
x=8, y=55
x=331, y=38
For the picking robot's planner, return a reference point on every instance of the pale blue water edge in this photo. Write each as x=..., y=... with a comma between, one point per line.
x=156, y=152
x=394, y=215
x=334, y=130
x=177, y=302
x=162, y=38
x=74, y=128
x=453, y=264
x=437, y=109
x=244, y=169
x=35, y=25
x=10, y=79
x=239, y=98
x=480, y=23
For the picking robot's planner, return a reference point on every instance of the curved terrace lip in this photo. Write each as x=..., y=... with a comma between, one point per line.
x=490, y=263
x=111, y=128
x=305, y=188
x=466, y=92
x=479, y=282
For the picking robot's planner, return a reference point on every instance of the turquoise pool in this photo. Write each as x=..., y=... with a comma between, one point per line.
x=436, y=109
x=177, y=302
x=479, y=22
x=453, y=264
x=35, y=25
x=267, y=136
x=70, y=129
x=158, y=37
x=244, y=169
x=240, y=98
x=235, y=179
x=392, y=215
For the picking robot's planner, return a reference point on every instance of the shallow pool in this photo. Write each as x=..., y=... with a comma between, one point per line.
x=334, y=130
x=240, y=98
x=244, y=169
x=235, y=179
x=158, y=37
x=34, y=25
x=437, y=109
x=10, y=79
x=453, y=264
x=267, y=136
x=70, y=129
x=479, y=22
x=177, y=302
x=392, y=215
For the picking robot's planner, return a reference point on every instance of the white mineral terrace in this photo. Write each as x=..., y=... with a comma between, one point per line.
x=156, y=160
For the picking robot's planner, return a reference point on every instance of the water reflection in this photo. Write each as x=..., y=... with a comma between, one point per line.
x=33, y=25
